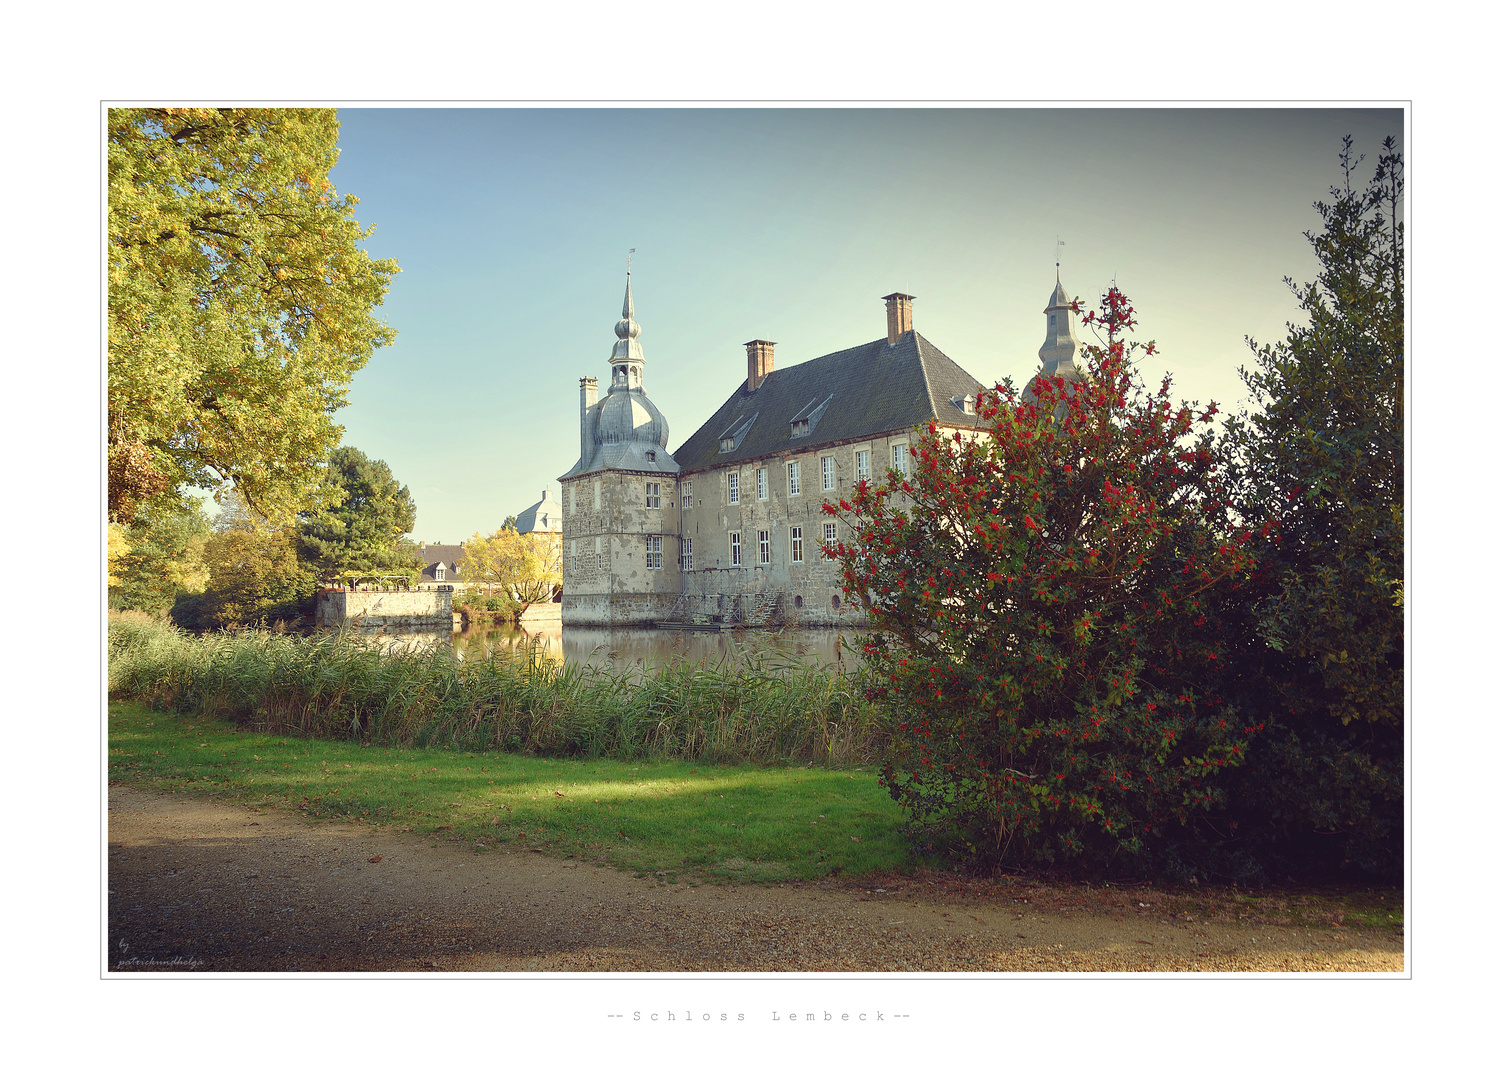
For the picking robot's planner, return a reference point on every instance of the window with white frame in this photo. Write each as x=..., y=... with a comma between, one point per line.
x=827, y=473
x=734, y=549
x=687, y=553
x=732, y=479
x=653, y=496
x=831, y=534
x=863, y=465
x=761, y=484
x=797, y=543
x=687, y=495
x=763, y=547
x=653, y=553
x=440, y=573
x=900, y=457
x=794, y=488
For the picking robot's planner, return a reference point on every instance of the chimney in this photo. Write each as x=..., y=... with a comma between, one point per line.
x=760, y=361
x=587, y=399
x=899, y=316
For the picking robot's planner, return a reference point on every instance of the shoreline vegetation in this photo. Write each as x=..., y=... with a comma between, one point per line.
x=761, y=709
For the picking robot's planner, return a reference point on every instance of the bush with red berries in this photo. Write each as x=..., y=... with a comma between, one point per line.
x=1046, y=604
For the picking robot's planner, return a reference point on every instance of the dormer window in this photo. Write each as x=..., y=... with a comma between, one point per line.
x=966, y=403
x=440, y=573
x=650, y=455
x=808, y=416
x=729, y=439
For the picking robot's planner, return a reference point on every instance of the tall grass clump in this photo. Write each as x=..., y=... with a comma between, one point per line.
x=754, y=708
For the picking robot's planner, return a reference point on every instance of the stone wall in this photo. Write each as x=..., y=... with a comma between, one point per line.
x=804, y=591
x=417, y=608
x=606, y=526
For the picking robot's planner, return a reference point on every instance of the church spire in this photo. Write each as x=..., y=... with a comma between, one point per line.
x=627, y=330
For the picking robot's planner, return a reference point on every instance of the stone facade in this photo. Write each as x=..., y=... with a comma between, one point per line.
x=619, y=559
x=782, y=576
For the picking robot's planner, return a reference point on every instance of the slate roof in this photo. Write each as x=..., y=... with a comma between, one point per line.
x=447, y=554
x=865, y=391
x=542, y=516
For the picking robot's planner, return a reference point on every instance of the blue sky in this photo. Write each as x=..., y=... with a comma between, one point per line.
x=511, y=227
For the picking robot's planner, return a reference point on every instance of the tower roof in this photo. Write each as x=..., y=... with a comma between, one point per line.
x=624, y=430
x=628, y=331
x=543, y=516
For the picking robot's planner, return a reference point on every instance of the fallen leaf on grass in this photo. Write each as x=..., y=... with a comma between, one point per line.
x=376, y=858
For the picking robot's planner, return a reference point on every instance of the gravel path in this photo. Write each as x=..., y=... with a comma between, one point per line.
x=198, y=885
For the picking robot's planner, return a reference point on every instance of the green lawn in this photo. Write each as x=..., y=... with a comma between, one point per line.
x=707, y=822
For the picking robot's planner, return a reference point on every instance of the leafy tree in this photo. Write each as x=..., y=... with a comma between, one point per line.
x=360, y=532
x=254, y=577
x=1044, y=608
x=240, y=304
x=158, y=558
x=1320, y=467
x=528, y=566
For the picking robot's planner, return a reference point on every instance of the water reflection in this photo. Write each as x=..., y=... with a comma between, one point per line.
x=622, y=649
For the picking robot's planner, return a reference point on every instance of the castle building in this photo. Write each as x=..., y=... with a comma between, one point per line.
x=729, y=530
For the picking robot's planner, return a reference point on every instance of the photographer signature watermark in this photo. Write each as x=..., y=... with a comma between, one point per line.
x=124, y=961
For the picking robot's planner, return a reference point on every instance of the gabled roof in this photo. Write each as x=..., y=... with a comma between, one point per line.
x=448, y=555
x=869, y=390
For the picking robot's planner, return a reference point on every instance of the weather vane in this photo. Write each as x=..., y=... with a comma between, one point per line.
x=1059, y=243
x=629, y=260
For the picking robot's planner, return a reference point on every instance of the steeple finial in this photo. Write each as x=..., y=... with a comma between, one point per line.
x=627, y=329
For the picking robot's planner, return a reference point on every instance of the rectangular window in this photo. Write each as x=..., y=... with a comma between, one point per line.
x=687, y=495
x=572, y=555
x=831, y=534
x=900, y=457
x=733, y=479
x=735, y=549
x=793, y=486
x=827, y=472
x=761, y=484
x=687, y=553
x=764, y=546
x=653, y=553
x=598, y=494
x=598, y=555
x=572, y=499
x=863, y=465
x=797, y=543
x=653, y=496
x=440, y=573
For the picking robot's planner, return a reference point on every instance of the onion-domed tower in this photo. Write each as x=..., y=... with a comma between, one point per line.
x=620, y=505
x=1059, y=353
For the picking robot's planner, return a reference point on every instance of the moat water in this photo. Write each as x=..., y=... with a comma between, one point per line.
x=595, y=647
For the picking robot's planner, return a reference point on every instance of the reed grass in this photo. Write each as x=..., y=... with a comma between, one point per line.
x=759, y=707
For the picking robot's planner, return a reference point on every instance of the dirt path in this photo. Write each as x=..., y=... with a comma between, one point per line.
x=197, y=885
